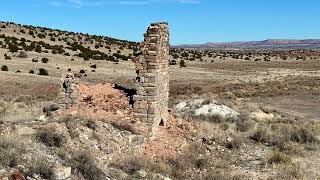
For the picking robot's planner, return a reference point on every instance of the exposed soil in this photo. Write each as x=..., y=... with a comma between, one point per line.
x=171, y=140
x=305, y=106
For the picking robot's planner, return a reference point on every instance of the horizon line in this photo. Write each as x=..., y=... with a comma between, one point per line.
x=174, y=44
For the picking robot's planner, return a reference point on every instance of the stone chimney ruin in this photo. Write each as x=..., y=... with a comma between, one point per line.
x=152, y=81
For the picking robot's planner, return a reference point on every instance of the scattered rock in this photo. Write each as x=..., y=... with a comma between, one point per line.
x=117, y=173
x=261, y=115
x=216, y=109
x=61, y=172
x=17, y=176
x=160, y=177
x=11, y=174
x=25, y=131
x=141, y=174
x=22, y=54
x=205, y=107
x=49, y=109
x=42, y=118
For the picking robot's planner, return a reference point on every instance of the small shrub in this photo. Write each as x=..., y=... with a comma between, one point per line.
x=22, y=54
x=206, y=102
x=93, y=66
x=291, y=171
x=10, y=151
x=69, y=69
x=31, y=72
x=44, y=60
x=303, y=135
x=172, y=62
x=195, y=158
x=213, y=118
x=13, y=48
x=182, y=64
x=50, y=138
x=31, y=33
x=279, y=158
x=4, y=68
x=34, y=60
x=7, y=57
x=131, y=166
x=41, y=167
x=82, y=71
x=43, y=72
x=18, y=71
x=261, y=135
x=38, y=49
x=234, y=143
x=225, y=126
x=85, y=164
x=244, y=123
x=91, y=124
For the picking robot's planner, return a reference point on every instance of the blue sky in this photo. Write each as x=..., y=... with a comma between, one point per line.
x=191, y=21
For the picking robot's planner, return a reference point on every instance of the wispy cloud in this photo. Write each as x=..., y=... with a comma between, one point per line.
x=93, y=3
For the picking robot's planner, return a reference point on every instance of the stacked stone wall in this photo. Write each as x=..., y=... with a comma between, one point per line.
x=151, y=101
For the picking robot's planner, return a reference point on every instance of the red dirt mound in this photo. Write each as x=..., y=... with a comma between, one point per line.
x=170, y=140
x=102, y=101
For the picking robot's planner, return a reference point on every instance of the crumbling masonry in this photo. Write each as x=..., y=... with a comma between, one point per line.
x=152, y=81
x=69, y=91
x=151, y=101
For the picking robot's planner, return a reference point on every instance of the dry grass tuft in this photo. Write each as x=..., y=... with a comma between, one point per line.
x=235, y=142
x=244, y=123
x=11, y=149
x=279, y=158
x=304, y=135
x=40, y=167
x=292, y=171
x=281, y=134
x=50, y=138
x=84, y=162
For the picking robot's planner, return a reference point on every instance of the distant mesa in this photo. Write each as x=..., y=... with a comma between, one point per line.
x=265, y=44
